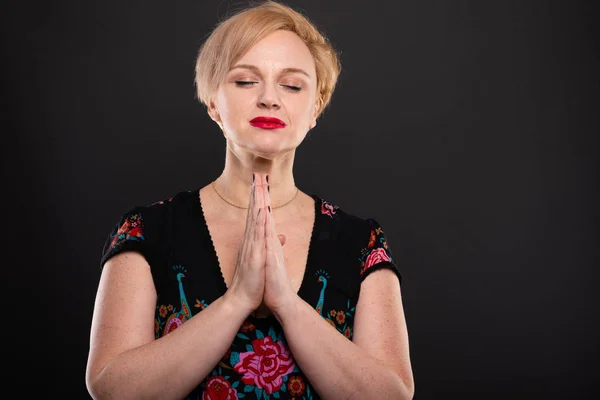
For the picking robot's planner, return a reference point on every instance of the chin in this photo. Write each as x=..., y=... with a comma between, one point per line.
x=268, y=142
x=265, y=144
x=267, y=152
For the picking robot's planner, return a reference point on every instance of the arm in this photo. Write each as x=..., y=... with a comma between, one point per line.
x=375, y=365
x=125, y=360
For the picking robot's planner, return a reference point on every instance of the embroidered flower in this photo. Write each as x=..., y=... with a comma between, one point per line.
x=328, y=209
x=247, y=326
x=340, y=318
x=201, y=304
x=332, y=313
x=266, y=366
x=377, y=255
x=162, y=311
x=372, y=239
x=348, y=332
x=131, y=229
x=217, y=388
x=296, y=386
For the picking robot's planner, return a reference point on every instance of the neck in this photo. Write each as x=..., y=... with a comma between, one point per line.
x=235, y=181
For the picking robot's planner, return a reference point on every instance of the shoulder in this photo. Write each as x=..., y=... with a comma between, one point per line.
x=349, y=222
x=363, y=238
x=160, y=209
x=145, y=224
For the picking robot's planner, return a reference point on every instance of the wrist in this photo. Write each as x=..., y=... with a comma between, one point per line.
x=236, y=305
x=289, y=310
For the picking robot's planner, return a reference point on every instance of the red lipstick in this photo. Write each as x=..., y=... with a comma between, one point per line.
x=267, y=123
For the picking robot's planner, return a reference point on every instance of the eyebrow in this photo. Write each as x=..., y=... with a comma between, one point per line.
x=283, y=71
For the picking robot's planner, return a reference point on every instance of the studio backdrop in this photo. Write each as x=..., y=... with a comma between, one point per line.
x=466, y=128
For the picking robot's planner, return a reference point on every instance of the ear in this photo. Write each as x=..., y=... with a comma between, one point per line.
x=214, y=113
x=215, y=116
x=315, y=115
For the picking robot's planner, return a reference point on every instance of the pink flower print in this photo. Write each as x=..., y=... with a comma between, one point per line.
x=132, y=229
x=377, y=255
x=328, y=208
x=266, y=366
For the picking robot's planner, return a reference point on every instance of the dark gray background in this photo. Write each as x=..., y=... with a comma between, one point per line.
x=467, y=128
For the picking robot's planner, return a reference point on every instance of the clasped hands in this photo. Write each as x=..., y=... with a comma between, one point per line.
x=260, y=281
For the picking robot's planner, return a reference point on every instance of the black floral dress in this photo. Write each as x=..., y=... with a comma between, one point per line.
x=174, y=238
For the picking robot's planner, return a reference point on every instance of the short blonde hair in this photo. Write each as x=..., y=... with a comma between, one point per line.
x=234, y=36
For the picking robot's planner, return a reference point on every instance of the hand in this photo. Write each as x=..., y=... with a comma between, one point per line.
x=279, y=292
x=248, y=284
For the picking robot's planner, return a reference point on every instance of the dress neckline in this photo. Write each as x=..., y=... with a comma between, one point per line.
x=215, y=265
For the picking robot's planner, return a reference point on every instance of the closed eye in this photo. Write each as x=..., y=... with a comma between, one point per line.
x=244, y=83
x=294, y=88
x=250, y=83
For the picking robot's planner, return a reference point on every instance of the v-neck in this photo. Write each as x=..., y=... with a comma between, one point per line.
x=215, y=266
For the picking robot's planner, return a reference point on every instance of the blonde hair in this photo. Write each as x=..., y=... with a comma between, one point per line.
x=234, y=36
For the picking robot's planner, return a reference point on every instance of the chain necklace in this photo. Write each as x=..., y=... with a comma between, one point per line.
x=245, y=208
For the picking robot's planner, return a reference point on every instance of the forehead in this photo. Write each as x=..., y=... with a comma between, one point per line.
x=280, y=49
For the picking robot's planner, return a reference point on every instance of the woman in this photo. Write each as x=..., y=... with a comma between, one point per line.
x=248, y=287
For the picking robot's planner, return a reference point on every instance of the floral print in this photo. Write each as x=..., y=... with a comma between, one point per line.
x=342, y=320
x=296, y=386
x=377, y=250
x=263, y=361
x=328, y=209
x=131, y=229
x=218, y=388
x=167, y=319
x=258, y=364
x=266, y=365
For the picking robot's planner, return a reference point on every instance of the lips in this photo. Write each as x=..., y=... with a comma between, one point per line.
x=267, y=123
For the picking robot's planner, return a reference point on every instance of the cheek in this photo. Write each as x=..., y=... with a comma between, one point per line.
x=233, y=107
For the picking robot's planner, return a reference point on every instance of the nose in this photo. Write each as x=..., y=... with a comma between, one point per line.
x=268, y=97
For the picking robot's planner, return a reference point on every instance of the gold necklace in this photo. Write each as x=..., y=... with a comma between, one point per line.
x=245, y=208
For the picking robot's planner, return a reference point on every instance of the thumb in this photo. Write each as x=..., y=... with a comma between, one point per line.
x=281, y=239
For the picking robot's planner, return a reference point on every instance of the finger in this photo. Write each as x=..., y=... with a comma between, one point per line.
x=268, y=228
x=251, y=202
x=260, y=185
x=272, y=223
x=270, y=220
x=259, y=235
x=264, y=191
x=268, y=194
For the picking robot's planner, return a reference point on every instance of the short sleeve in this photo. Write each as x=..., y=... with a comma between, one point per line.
x=129, y=233
x=376, y=253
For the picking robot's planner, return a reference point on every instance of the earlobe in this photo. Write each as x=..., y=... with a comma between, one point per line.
x=213, y=113
x=313, y=123
x=317, y=108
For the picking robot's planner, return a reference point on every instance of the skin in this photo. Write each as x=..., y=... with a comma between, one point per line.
x=125, y=360
x=267, y=92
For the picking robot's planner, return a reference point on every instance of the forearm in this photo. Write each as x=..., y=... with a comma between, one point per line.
x=334, y=365
x=173, y=365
